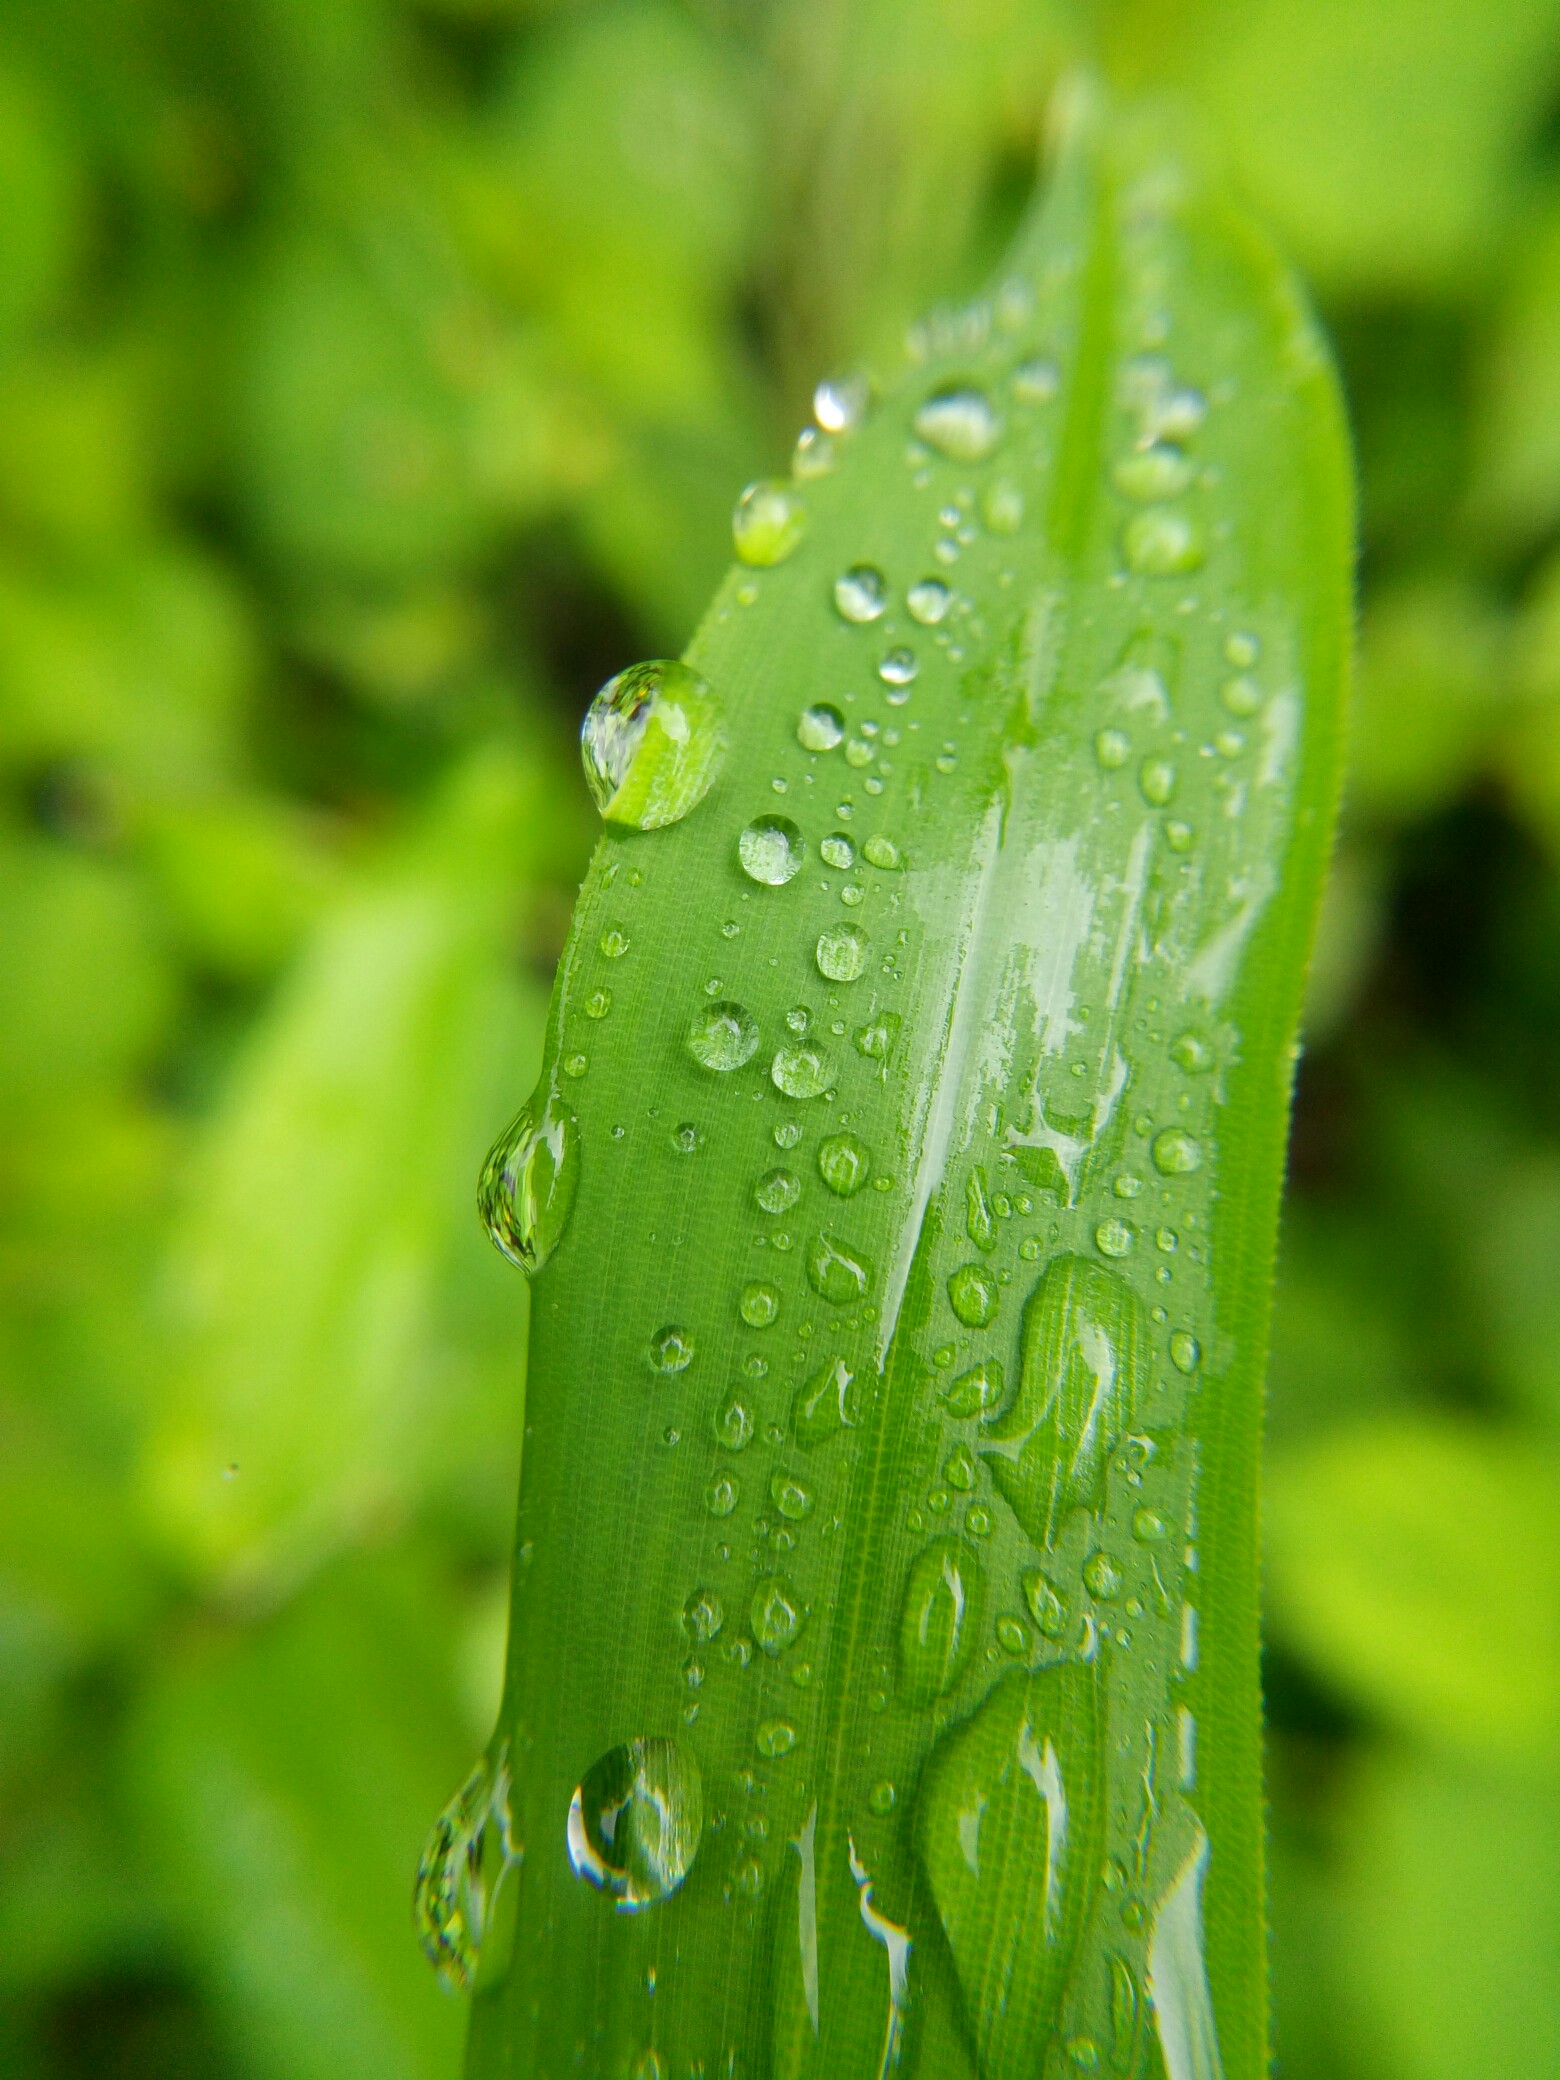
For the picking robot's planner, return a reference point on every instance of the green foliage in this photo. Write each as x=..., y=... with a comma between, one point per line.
x=374, y=381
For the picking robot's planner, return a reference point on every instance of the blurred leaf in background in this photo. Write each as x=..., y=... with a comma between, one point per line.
x=376, y=376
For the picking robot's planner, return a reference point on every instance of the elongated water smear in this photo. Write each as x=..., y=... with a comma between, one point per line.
x=1178, y=1977
x=896, y=1941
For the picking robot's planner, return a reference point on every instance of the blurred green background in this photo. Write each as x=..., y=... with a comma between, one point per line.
x=375, y=377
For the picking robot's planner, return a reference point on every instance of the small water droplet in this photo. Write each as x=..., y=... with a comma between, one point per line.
x=1046, y=1605
x=1185, y=1351
x=1156, y=781
x=959, y=422
x=1012, y=1636
x=840, y=402
x=882, y=1798
x=793, y=1500
x=651, y=744
x=1162, y=542
x=575, y=1065
x=1160, y=470
x=776, y=1614
x=769, y=522
x=1176, y=1154
x=861, y=593
x=598, y=1003
x=1114, y=1238
x=777, y=1191
x=821, y=728
x=959, y=1469
x=787, y=1133
x=938, y=1618
x=841, y=952
x=836, y=1270
x=898, y=667
x=635, y=1822
x=824, y=1404
x=973, y=1295
x=1035, y=381
x=723, y=1036
x=801, y=1072
x=734, y=1425
x=722, y=1495
x=775, y=1737
x=813, y=456
x=1002, y=506
x=468, y=1854
x=876, y=1038
x=1102, y=1577
x=759, y=1304
x=844, y=1163
x=671, y=1350
x=703, y=1615
x=928, y=600
x=838, y=851
x=976, y=1392
x=771, y=850
x=1149, y=1527
x=613, y=943
x=526, y=1191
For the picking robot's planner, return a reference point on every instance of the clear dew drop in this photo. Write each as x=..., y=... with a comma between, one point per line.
x=687, y=1139
x=470, y=1850
x=769, y=522
x=841, y=952
x=861, y=593
x=801, y=1072
x=821, y=728
x=837, y=1271
x=1162, y=543
x=776, y=1615
x=1241, y=696
x=976, y=1392
x=1160, y=470
x=1185, y=1351
x=844, y=1163
x=960, y=422
x=526, y=1191
x=1102, y=1577
x=1114, y=1238
x=1156, y=782
x=973, y=1294
x=1176, y=1154
x=734, y=1425
x=703, y=1615
x=1002, y=506
x=1012, y=1636
x=598, y=1003
x=723, y=1036
x=722, y=1495
x=777, y=1191
x=671, y=1349
x=613, y=943
x=928, y=600
x=898, y=667
x=774, y=1738
x=1046, y=1604
x=877, y=1037
x=881, y=852
x=771, y=850
x=1112, y=747
x=651, y=744
x=635, y=1822
x=825, y=1403
x=813, y=456
x=838, y=851
x=791, y=1497
x=840, y=403
x=759, y=1303
x=938, y=1618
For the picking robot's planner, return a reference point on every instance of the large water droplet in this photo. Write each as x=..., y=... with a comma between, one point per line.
x=768, y=523
x=861, y=593
x=526, y=1191
x=928, y=600
x=959, y=422
x=671, y=1349
x=842, y=952
x=771, y=850
x=635, y=1822
x=844, y=1163
x=938, y=1619
x=651, y=743
x=802, y=1072
x=776, y=1614
x=976, y=1392
x=973, y=1294
x=723, y=1036
x=838, y=851
x=777, y=1191
x=1176, y=1154
x=821, y=728
x=836, y=1270
x=470, y=1850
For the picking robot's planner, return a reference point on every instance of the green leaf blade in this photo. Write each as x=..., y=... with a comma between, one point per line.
x=1077, y=836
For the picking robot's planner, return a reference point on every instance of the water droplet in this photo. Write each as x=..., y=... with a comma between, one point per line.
x=880, y=851
x=651, y=744
x=938, y=1619
x=1162, y=543
x=734, y=1426
x=722, y=1495
x=598, y=1003
x=787, y=1133
x=1185, y=1351
x=1156, y=780
x=1083, y=2053
x=1149, y=1527
x=976, y=1392
x=759, y=1304
x=771, y=850
x=671, y=1350
x=852, y=893
x=1035, y=381
x=723, y=1036
x=973, y=1293
x=1112, y=747
x=1157, y=471
x=775, y=1737
x=824, y=1404
x=840, y=402
x=526, y=1191
x=635, y=1822
x=613, y=943
x=776, y=1614
x=1012, y=1636
x=768, y=523
x=928, y=600
x=469, y=1852
x=703, y=1615
x=1102, y=1577
x=898, y=667
x=882, y=1798
x=959, y=1469
x=1114, y=1238
x=979, y=1221
x=861, y=593
x=977, y=1522
x=837, y=1271
x=777, y=1191
x=1002, y=506
x=1176, y=1154
x=793, y=1500
x=842, y=952
x=876, y=1038
x=959, y=422
x=575, y=1065
x=838, y=851
x=821, y=728
x=801, y=1072
x=1046, y=1606
x=844, y=1163
x=1166, y=1239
